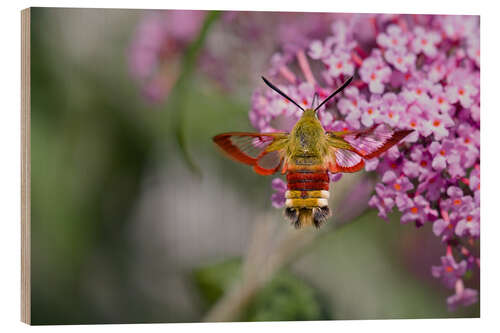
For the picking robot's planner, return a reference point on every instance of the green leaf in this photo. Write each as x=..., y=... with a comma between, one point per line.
x=212, y=281
x=286, y=297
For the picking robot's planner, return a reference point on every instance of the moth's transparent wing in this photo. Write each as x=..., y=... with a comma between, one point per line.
x=371, y=142
x=349, y=149
x=344, y=160
x=263, y=151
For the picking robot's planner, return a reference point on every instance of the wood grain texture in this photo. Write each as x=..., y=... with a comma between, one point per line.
x=25, y=168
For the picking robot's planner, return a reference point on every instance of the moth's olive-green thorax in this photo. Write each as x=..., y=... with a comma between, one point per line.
x=307, y=139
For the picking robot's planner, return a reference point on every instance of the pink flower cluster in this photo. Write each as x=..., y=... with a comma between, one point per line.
x=417, y=72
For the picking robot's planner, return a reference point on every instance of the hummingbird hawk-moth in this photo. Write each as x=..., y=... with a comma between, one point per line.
x=306, y=155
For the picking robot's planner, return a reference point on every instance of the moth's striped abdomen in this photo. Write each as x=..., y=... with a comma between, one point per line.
x=307, y=197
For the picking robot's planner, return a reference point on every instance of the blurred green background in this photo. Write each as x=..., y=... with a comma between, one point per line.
x=124, y=232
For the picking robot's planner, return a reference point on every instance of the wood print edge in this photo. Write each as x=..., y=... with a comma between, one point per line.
x=25, y=168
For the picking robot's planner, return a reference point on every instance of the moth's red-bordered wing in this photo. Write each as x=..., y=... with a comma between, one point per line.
x=254, y=149
x=362, y=144
x=344, y=160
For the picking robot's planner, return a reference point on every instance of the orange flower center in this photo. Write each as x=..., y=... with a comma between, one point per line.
x=391, y=115
x=373, y=76
x=423, y=163
x=440, y=100
x=469, y=218
x=414, y=210
x=413, y=124
x=304, y=101
x=419, y=91
x=394, y=41
x=424, y=41
x=436, y=123
x=370, y=111
x=400, y=60
x=449, y=269
x=457, y=202
x=442, y=152
x=397, y=187
x=461, y=91
x=339, y=65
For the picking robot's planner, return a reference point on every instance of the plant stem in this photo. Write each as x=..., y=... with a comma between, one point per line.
x=177, y=102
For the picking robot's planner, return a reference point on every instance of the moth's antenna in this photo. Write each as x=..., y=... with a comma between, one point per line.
x=273, y=87
x=314, y=101
x=345, y=84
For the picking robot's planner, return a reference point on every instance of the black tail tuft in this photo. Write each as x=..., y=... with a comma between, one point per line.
x=300, y=217
x=320, y=215
x=293, y=215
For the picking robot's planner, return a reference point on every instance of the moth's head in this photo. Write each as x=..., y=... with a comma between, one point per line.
x=310, y=112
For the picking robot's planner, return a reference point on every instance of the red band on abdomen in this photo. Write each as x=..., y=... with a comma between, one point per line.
x=309, y=181
x=308, y=186
x=307, y=177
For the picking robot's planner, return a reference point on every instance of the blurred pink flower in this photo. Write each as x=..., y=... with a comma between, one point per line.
x=393, y=39
x=155, y=51
x=449, y=271
x=278, y=198
x=462, y=297
x=425, y=41
x=375, y=72
x=238, y=38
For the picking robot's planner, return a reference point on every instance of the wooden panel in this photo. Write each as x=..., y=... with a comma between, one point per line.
x=25, y=168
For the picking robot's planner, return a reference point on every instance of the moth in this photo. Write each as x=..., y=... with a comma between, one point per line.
x=307, y=155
